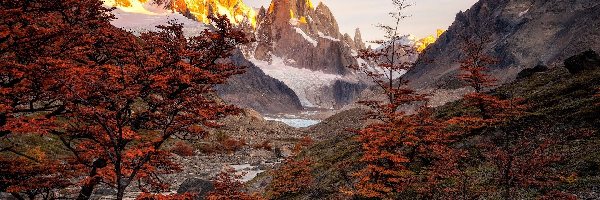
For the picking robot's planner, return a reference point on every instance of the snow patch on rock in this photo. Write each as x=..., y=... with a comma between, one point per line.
x=328, y=37
x=303, y=82
x=308, y=38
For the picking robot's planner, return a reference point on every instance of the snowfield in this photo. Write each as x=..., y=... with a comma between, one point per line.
x=303, y=82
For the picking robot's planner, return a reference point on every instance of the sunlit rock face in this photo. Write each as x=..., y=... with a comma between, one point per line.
x=235, y=10
x=306, y=35
x=300, y=44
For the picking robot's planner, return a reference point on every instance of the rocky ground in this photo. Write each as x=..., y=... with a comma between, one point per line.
x=249, y=160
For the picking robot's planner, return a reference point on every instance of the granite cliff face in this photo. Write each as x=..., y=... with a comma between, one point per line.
x=301, y=45
x=521, y=34
x=254, y=89
x=306, y=36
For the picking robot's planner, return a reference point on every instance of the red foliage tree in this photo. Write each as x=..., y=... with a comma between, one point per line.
x=182, y=148
x=227, y=187
x=119, y=97
x=402, y=152
x=39, y=41
x=488, y=110
x=521, y=158
x=35, y=176
x=294, y=175
x=149, y=196
x=138, y=96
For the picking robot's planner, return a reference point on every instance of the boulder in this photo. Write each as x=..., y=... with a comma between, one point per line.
x=583, y=61
x=198, y=186
x=105, y=191
x=530, y=71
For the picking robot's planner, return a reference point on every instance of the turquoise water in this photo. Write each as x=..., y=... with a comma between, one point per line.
x=295, y=122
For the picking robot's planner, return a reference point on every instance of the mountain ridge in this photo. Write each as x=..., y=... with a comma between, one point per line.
x=522, y=34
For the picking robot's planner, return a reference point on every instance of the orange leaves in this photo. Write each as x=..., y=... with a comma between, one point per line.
x=521, y=156
x=303, y=143
x=105, y=93
x=228, y=188
x=394, y=151
x=183, y=149
x=20, y=174
x=149, y=196
x=293, y=177
x=265, y=145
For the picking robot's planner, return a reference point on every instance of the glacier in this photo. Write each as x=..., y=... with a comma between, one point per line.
x=303, y=82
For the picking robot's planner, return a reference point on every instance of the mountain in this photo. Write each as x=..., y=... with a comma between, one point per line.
x=198, y=10
x=298, y=44
x=253, y=89
x=561, y=99
x=301, y=45
x=521, y=34
x=305, y=35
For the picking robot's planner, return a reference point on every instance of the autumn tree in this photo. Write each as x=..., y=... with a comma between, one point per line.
x=488, y=110
x=39, y=41
x=294, y=175
x=138, y=96
x=384, y=65
x=402, y=151
x=150, y=196
x=482, y=110
x=36, y=176
x=522, y=157
x=228, y=187
x=111, y=98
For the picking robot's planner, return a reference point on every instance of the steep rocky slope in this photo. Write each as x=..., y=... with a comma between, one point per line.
x=301, y=45
x=520, y=33
x=254, y=89
x=307, y=36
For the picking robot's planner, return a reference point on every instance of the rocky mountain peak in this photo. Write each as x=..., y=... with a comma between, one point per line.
x=358, y=41
x=519, y=34
x=296, y=35
x=306, y=36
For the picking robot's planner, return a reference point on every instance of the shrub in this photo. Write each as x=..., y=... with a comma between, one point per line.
x=183, y=149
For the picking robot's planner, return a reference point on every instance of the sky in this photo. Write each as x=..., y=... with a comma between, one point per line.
x=426, y=15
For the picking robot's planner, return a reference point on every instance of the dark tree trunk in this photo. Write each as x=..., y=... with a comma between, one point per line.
x=86, y=190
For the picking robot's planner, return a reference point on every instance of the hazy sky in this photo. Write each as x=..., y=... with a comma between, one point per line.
x=427, y=15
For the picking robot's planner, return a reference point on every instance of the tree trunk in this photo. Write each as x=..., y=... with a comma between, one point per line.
x=120, y=192
x=86, y=190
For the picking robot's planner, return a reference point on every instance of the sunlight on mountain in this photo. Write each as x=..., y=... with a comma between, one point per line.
x=235, y=10
x=130, y=6
x=423, y=43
